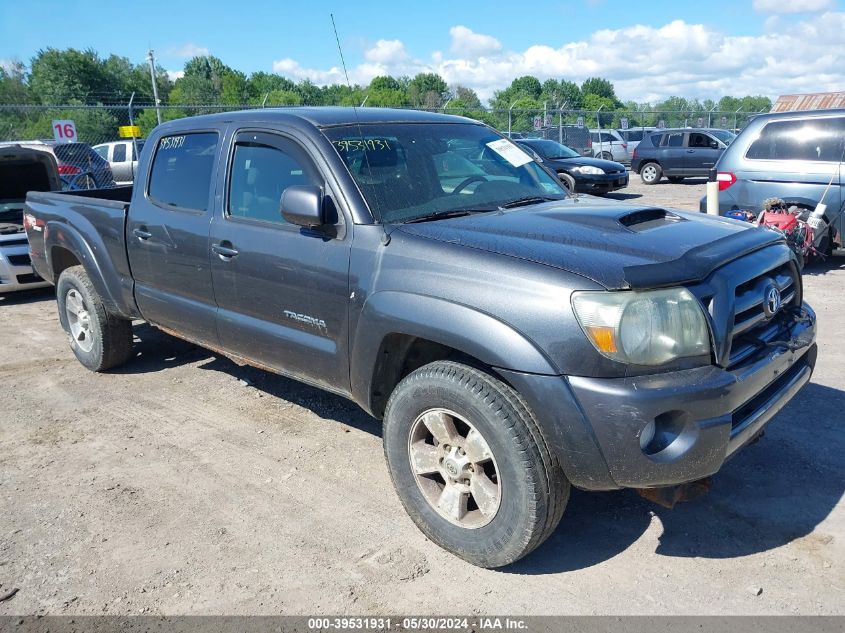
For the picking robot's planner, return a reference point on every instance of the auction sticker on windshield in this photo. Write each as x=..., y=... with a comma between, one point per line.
x=510, y=152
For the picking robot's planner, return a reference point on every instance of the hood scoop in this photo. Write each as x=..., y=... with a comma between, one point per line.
x=648, y=219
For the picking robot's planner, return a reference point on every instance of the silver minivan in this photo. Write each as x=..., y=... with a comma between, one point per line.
x=795, y=156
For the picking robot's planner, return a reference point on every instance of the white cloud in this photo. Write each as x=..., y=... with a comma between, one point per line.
x=468, y=43
x=792, y=6
x=7, y=64
x=386, y=52
x=187, y=51
x=645, y=63
x=175, y=74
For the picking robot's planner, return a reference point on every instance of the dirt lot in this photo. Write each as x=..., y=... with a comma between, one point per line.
x=184, y=483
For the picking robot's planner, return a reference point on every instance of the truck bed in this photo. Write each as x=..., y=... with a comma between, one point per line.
x=100, y=216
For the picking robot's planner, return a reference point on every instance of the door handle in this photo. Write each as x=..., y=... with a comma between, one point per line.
x=142, y=233
x=224, y=250
x=690, y=151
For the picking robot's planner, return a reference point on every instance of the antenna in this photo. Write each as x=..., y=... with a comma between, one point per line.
x=386, y=236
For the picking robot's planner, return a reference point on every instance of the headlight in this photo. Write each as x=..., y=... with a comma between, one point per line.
x=643, y=328
x=589, y=169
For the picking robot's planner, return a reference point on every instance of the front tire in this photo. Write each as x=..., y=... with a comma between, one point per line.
x=567, y=181
x=470, y=464
x=99, y=340
x=651, y=173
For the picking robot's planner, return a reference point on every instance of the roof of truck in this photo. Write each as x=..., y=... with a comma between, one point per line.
x=327, y=116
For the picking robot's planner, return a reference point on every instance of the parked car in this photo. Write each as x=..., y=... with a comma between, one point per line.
x=122, y=157
x=21, y=170
x=80, y=167
x=515, y=340
x=795, y=156
x=633, y=136
x=576, y=172
x=609, y=145
x=679, y=153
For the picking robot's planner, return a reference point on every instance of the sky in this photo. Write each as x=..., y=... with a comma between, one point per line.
x=649, y=50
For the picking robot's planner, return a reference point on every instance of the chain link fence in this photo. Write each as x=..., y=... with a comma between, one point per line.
x=97, y=125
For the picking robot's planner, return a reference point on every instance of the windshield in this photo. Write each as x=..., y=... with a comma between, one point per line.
x=724, y=136
x=408, y=171
x=552, y=149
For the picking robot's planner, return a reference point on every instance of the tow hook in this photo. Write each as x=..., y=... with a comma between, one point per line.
x=668, y=496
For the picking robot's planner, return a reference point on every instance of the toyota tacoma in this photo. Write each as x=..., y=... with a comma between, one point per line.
x=515, y=340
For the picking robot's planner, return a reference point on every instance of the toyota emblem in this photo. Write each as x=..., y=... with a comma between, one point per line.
x=773, y=301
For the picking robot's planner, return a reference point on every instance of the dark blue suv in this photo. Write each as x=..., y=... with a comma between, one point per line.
x=679, y=153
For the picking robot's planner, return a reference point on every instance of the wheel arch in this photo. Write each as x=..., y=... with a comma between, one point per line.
x=392, y=340
x=65, y=247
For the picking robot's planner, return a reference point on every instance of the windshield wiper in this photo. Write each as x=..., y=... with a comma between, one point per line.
x=451, y=213
x=521, y=202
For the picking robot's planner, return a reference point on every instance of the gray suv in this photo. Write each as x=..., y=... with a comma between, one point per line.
x=794, y=156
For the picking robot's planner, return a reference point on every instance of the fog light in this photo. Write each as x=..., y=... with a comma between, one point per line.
x=668, y=436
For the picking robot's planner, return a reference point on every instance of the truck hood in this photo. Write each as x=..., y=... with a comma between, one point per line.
x=618, y=246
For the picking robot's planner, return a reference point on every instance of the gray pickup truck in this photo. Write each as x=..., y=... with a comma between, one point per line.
x=515, y=340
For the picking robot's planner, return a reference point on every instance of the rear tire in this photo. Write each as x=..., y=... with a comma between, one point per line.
x=99, y=340
x=651, y=173
x=606, y=156
x=491, y=505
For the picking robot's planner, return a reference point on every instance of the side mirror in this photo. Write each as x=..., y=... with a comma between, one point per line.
x=303, y=205
x=714, y=145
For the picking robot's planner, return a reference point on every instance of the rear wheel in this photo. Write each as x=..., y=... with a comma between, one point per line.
x=606, y=156
x=651, y=173
x=99, y=340
x=470, y=464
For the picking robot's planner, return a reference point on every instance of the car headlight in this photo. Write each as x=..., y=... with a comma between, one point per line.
x=589, y=169
x=643, y=327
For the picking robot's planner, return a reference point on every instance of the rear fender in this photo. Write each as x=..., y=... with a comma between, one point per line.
x=94, y=259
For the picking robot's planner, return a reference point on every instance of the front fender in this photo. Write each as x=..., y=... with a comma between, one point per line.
x=95, y=260
x=460, y=327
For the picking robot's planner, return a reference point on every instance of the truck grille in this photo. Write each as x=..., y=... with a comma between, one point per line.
x=754, y=324
x=15, y=242
x=19, y=260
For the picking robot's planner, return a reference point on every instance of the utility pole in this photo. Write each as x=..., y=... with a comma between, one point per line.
x=152, y=61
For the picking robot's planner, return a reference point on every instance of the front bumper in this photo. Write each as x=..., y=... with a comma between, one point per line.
x=16, y=271
x=695, y=419
x=588, y=183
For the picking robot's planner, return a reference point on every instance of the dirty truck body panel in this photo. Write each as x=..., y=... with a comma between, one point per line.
x=322, y=303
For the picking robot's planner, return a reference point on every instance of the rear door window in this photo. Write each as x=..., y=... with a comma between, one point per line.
x=673, y=139
x=119, y=155
x=808, y=139
x=180, y=176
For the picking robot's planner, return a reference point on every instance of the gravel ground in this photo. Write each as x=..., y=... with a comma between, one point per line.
x=184, y=483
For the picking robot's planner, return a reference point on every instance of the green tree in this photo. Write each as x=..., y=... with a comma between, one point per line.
x=309, y=93
x=261, y=83
x=60, y=77
x=599, y=87
x=235, y=89
x=467, y=98
x=13, y=88
x=384, y=82
x=427, y=90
